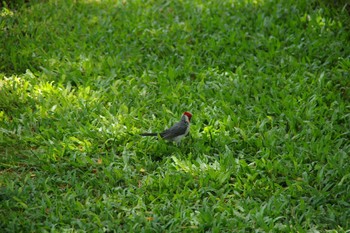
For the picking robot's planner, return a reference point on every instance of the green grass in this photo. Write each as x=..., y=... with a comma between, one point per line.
x=267, y=83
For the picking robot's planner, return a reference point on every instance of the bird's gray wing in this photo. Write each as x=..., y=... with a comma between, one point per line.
x=176, y=130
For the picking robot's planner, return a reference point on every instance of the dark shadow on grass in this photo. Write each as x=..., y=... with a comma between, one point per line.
x=14, y=4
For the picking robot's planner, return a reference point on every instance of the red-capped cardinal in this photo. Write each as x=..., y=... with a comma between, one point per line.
x=177, y=131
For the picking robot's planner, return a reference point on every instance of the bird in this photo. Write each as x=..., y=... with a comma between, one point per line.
x=177, y=132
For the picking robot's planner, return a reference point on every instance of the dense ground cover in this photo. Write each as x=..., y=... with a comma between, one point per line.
x=267, y=83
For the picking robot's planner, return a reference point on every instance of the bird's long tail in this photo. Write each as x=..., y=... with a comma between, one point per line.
x=149, y=134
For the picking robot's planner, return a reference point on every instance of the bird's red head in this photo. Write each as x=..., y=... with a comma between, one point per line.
x=189, y=115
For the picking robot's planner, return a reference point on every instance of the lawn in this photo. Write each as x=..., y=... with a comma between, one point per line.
x=267, y=82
